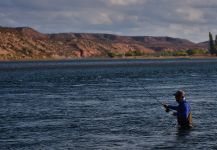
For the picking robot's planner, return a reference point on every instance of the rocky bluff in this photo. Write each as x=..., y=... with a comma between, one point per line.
x=26, y=43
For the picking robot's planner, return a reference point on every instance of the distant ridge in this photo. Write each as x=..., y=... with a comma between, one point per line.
x=27, y=43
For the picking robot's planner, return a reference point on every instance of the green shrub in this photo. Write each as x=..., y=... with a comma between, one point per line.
x=134, y=53
x=196, y=51
x=113, y=54
x=166, y=53
x=138, y=53
x=129, y=53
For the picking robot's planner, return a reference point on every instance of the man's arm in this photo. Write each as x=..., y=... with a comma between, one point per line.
x=168, y=107
x=173, y=107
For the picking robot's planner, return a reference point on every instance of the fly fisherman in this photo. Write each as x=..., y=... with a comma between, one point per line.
x=182, y=111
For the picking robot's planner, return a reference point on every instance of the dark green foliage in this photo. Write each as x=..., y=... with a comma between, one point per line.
x=189, y=52
x=216, y=44
x=216, y=40
x=129, y=53
x=113, y=54
x=138, y=53
x=166, y=53
x=196, y=51
x=212, y=45
x=134, y=53
x=180, y=53
x=110, y=54
x=173, y=53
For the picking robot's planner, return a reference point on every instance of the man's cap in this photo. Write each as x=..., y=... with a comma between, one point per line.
x=179, y=93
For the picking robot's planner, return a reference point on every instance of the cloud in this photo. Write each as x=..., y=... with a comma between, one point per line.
x=191, y=19
x=125, y=2
x=190, y=14
x=101, y=19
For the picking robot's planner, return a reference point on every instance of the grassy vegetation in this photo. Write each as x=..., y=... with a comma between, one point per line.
x=134, y=53
x=114, y=54
x=127, y=54
x=190, y=52
x=26, y=53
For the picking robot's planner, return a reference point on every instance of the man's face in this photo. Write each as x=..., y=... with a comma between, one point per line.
x=178, y=98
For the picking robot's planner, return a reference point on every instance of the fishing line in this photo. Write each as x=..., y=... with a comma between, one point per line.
x=155, y=98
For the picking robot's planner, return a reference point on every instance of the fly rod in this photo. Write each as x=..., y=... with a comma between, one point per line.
x=154, y=97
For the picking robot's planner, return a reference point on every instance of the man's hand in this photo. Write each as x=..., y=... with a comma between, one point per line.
x=174, y=113
x=167, y=110
x=166, y=107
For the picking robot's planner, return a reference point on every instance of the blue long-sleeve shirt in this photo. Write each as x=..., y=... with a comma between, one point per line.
x=183, y=111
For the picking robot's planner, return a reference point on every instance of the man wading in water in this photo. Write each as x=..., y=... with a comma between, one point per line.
x=183, y=110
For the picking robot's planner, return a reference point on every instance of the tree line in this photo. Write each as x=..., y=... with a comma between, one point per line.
x=212, y=50
x=212, y=44
x=188, y=52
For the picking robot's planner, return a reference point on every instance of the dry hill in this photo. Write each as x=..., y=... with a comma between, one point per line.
x=26, y=43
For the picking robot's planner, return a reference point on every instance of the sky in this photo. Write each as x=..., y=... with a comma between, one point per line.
x=189, y=19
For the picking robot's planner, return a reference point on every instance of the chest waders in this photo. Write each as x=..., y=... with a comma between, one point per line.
x=185, y=122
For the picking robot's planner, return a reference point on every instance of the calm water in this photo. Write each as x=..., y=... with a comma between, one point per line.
x=103, y=104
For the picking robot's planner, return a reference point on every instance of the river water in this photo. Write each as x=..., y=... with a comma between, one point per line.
x=104, y=104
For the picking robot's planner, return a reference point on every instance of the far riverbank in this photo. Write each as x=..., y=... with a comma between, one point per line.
x=114, y=58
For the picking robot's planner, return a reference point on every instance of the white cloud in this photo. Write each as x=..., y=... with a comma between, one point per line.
x=100, y=19
x=202, y=2
x=190, y=14
x=191, y=19
x=177, y=29
x=125, y=2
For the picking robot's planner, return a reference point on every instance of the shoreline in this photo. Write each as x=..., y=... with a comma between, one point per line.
x=114, y=58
